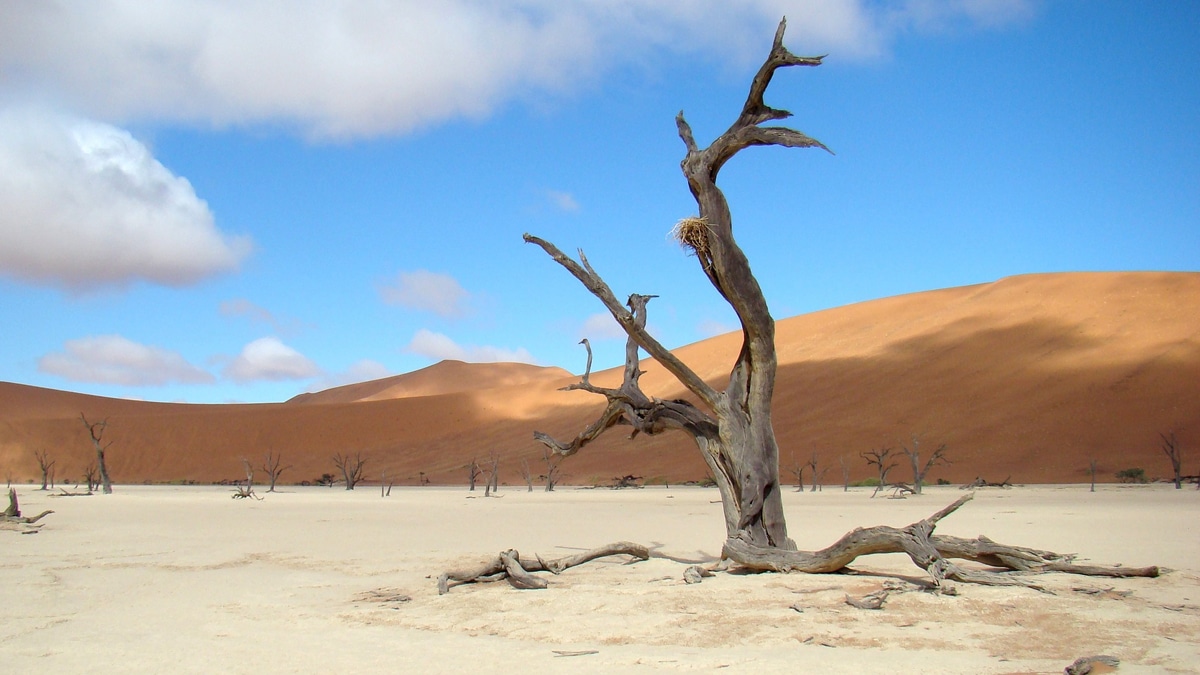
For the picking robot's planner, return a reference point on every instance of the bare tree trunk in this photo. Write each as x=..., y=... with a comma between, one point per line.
x=96, y=431
x=45, y=464
x=879, y=459
x=473, y=473
x=493, y=476
x=920, y=470
x=351, y=467
x=1092, y=466
x=735, y=437
x=273, y=466
x=845, y=473
x=527, y=474
x=1171, y=447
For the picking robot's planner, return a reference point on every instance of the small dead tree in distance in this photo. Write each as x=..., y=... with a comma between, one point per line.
x=96, y=431
x=351, y=467
x=45, y=464
x=920, y=470
x=879, y=459
x=797, y=469
x=473, y=473
x=553, y=469
x=493, y=476
x=1170, y=447
x=732, y=426
x=526, y=474
x=274, y=468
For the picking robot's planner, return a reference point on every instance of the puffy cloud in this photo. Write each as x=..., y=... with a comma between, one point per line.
x=363, y=67
x=112, y=359
x=427, y=291
x=84, y=204
x=601, y=327
x=439, y=347
x=241, y=307
x=269, y=358
x=713, y=328
x=563, y=201
x=359, y=371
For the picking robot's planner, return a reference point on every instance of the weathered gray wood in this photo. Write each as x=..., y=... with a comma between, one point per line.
x=96, y=431
x=509, y=564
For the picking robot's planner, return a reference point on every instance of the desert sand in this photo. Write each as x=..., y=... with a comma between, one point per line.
x=188, y=580
x=1031, y=377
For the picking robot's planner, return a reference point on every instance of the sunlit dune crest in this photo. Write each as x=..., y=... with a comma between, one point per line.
x=1030, y=377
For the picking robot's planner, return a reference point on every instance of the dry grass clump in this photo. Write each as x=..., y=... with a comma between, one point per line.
x=692, y=234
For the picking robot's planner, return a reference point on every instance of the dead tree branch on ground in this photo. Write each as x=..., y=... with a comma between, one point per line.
x=13, y=520
x=509, y=566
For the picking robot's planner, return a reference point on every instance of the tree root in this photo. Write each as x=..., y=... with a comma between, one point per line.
x=11, y=518
x=508, y=565
x=928, y=551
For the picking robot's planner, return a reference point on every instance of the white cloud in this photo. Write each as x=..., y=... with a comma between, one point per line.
x=270, y=359
x=366, y=67
x=112, y=359
x=359, y=371
x=241, y=307
x=563, y=201
x=439, y=347
x=712, y=328
x=601, y=327
x=427, y=291
x=84, y=204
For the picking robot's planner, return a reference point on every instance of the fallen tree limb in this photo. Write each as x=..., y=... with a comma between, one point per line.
x=929, y=552
x=12, y=519
x=509, y=565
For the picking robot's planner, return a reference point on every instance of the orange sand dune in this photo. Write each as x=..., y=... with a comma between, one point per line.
x=1031, y=376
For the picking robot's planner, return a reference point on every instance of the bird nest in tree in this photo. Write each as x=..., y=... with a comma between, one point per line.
x=693, y=234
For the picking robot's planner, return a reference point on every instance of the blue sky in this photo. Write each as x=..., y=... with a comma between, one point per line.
x=213, y=202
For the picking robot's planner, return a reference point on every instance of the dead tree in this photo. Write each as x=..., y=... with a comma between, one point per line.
x=473, y=473
x=879, y=460
x=246, y=491
x=45, y=464
x=553, y=469
x=818, y=475
x=1092, y=468
x=274, y=468
x=351, y=467
x=92, y=476
x=527, y=474
x=845, y=473
x=920, y=470
x=96, y=431
x=797, y=470
x=1170, y=446
x=493, y=478
x=731, y=426
x=12, y=519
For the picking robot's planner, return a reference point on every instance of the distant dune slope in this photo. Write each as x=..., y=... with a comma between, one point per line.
x=446, y=377
x=1030, y=376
